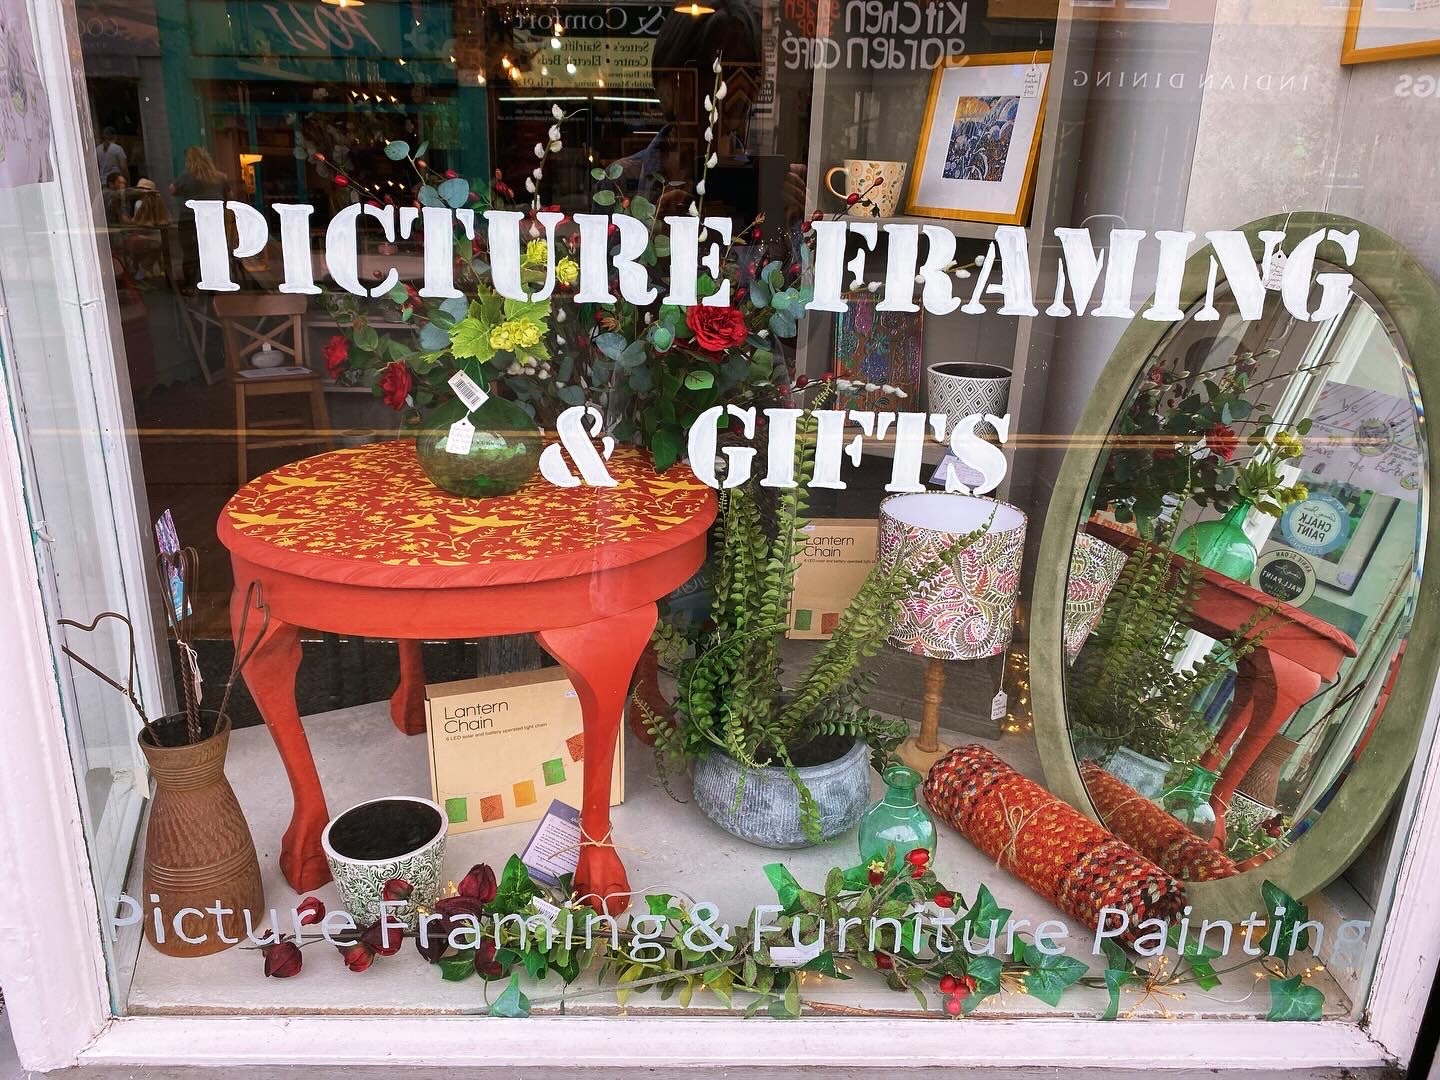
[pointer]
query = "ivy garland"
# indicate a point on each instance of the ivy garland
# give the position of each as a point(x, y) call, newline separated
point(675, 953)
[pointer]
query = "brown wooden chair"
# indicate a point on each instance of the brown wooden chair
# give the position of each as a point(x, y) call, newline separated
point(249, 322)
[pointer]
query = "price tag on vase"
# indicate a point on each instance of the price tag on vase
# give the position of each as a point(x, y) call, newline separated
point(462, 434)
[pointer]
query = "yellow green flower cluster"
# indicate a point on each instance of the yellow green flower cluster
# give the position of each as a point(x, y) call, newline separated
point(1288, 445)
point(513, 335)
point(567, 270)
point(1291, 495)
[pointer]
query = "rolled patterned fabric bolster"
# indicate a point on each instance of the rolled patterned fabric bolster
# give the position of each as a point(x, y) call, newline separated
point(1154, 833)
point(1048, 844)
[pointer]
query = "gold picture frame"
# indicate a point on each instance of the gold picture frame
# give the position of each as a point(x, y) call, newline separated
point(955, 68)
point(1351, 52)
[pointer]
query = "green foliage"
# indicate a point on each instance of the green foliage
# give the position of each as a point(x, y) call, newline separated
point(1124, 689)
point(731, 697)
point(690, 950)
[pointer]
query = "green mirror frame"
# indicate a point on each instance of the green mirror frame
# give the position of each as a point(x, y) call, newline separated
point(1408, 302)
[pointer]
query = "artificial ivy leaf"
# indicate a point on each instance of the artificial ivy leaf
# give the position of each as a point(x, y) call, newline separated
point(1198, 956)
point(984, 916)
point(985, 970)
point(459, 967)
point(1291, 999)
point(512, 1003)
point(604, 197)
point(468, 339)
point(1115, 978)
point(516, 889)
point(825, 965)
point(1050, 975)
point(397, 295)
point(787, 889)
point(571, 394)
point(455, 192)
point(434, 338)
point(699, 380)
point(398, 150)
point(1286, 915)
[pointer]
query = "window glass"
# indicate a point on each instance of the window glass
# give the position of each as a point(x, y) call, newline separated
point(951, 468)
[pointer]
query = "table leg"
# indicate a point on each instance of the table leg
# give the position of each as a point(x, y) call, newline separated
point(270, 676)
point(1283, 686)
point(407, 704)
point(600, 658)
point(1242, 708)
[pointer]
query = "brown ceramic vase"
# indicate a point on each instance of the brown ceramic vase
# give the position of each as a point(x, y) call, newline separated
point(198, 848)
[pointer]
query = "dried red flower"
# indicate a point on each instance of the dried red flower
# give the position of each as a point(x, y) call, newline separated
point(716, 328)
point(486, 966)
point(357, 957)
point(883, 962)
point(383, 936)
point(943, 899)
point(397, 889)
point(282, 960)
point(310, 910)
point(478, 884)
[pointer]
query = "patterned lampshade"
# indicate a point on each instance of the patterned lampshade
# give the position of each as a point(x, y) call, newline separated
point(967, 611)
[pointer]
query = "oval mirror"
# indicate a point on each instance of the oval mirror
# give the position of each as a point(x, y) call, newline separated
point(1233, 661)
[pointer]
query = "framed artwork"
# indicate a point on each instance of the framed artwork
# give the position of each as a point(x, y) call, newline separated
point(1338, 527)
point(1391, 30)
point(880, 352)
point(980, 139)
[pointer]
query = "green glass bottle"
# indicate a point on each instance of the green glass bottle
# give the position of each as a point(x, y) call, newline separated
point(898, 819)
point(1189, 803)
point(1221, 544)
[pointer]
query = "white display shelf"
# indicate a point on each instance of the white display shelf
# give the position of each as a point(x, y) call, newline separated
point(667, 847)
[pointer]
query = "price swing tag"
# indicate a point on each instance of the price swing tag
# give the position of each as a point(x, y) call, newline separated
point(462, 434)
point(1275, 275)
point(1030, 87)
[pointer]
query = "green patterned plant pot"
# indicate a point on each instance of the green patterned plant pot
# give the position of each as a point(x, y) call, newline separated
point(398, 836)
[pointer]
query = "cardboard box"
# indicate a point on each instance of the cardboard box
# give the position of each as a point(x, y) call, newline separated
point(502, 748)
point(837, 555)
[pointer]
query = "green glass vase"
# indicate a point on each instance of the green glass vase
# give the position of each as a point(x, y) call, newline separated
point(1189, 803)
point(503, 454)
point(897, 820)
point(1221, 544)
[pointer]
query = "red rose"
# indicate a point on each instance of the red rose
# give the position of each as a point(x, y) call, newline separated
point(1223, 441)
point(486, 966)
point(397, 889)
point(384, 936)
point(716, 328)
point(395, 383)
point(337, 353)
point(282, 960)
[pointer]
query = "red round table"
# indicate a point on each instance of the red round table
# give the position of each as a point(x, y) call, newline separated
point(360, 542)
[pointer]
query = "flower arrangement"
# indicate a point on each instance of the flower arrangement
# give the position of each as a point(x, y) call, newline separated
point(1178, 438)
point(651, 369)
point(950, 956)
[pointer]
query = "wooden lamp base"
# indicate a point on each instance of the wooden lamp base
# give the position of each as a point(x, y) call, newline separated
point(921, 751)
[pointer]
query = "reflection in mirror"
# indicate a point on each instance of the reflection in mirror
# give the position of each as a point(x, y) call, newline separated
point(1242, 582)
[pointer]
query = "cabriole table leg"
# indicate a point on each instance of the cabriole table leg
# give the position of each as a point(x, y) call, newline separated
point(600, 658)
point(270, 676)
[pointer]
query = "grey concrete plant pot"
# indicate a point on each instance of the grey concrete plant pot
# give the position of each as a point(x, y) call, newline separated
point(769, 812)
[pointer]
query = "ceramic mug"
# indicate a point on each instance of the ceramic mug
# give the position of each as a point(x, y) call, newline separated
point(861, 176)
point(405, 835)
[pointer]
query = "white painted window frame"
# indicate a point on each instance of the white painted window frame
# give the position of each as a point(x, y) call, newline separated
point(53, 971)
